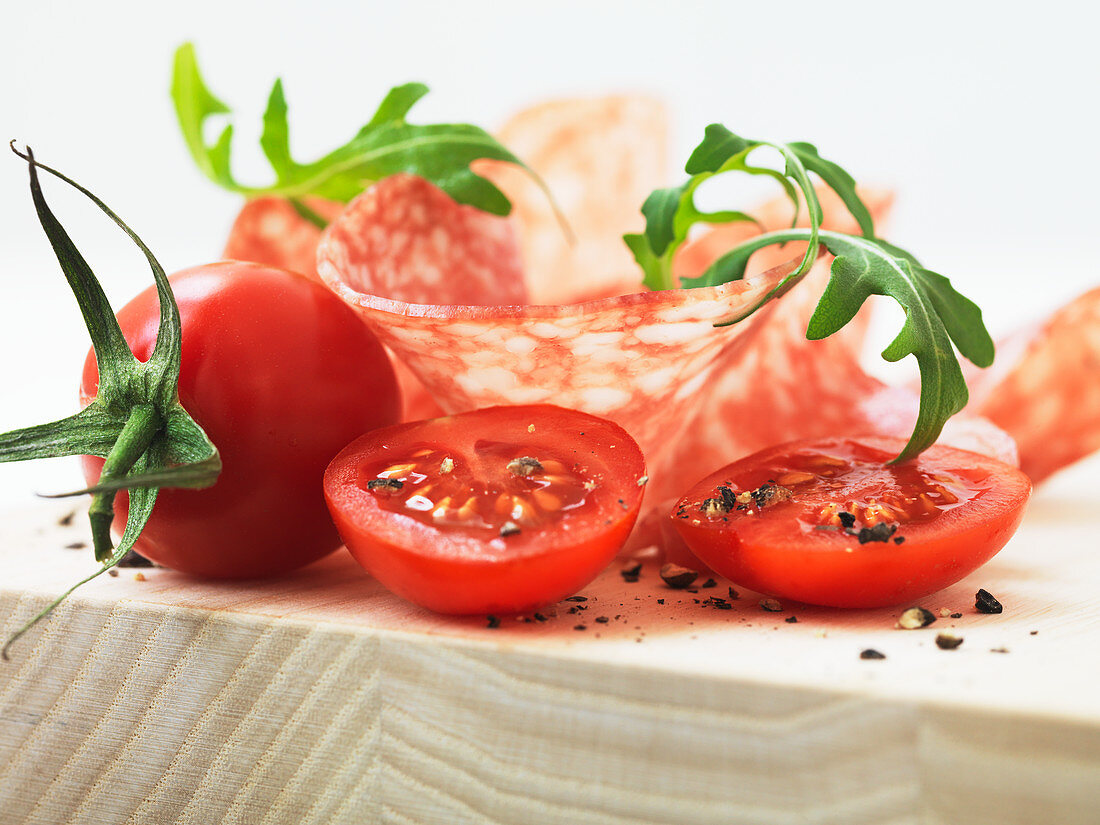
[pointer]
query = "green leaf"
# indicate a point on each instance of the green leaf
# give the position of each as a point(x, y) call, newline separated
point(935, 316)
point(386, 145)
point(938, 318)
point(275, 138)
point(194, 104)
point(961, 317)
point(660, 210)
point(440, 153)
point(395, 106)
point(718, 146)
point(839, 181)
point(863, 268)
point(671, 213)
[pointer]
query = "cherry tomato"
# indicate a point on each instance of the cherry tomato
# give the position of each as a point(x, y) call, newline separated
point(829, 522)
point(281, 375)
point(499, 510)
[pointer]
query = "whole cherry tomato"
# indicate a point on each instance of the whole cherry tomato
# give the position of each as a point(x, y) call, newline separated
point(281, 375)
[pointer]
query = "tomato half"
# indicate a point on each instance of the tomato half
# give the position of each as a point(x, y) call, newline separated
point(829, 522)
point(499, 510)
point(281, 375)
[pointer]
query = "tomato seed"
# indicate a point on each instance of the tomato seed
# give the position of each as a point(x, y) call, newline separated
point(545, 500)
point(384, 485)
point(794, 477)
point(524, 466)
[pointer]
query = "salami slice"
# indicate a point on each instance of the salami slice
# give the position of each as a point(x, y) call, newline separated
point(408, 240)
point(601, 158)
point(270, 231)
point(643, 360)
point(1044, 388)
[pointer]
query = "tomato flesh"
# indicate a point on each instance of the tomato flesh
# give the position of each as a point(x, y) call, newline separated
point(499, 510)
point(281, 375)
point(829, 522)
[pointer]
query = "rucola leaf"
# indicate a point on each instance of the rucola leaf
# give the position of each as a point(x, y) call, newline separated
point(936, 315)
point(671, 213)
point(386, 145)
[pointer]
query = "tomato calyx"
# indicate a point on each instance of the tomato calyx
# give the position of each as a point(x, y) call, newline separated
point(135, 422)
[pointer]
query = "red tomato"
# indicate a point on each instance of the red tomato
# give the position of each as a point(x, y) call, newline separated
point(281, 375)
point(500, 510)
point(829, 522)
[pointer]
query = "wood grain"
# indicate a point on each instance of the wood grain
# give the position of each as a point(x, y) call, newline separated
point(320, 698)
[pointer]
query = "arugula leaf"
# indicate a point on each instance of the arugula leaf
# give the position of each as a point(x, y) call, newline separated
point(937, 318)
point(386, 145)
point(839, 181)
point(671, 213)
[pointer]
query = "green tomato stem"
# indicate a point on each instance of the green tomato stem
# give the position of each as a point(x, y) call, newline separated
point(137, 434)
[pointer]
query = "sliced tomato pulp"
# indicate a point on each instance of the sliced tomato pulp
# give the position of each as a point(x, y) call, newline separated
point(829, 522)
point(503, 509)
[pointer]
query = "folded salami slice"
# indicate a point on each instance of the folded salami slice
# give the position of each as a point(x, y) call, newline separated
point(601, 157)
point(644, 360)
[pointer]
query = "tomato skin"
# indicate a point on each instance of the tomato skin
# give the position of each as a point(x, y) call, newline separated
point(464, 571)
point(281, 375)
point(774, 553)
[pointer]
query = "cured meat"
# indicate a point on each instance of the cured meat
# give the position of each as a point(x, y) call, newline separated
point(644, 360)
point(409, 240)
point(1044, 388)
point(270, 231)
point(601, 158)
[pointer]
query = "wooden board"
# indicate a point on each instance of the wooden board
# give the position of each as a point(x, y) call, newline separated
point(320, 698)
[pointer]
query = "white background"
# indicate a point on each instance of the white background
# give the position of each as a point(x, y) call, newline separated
point(981, 116)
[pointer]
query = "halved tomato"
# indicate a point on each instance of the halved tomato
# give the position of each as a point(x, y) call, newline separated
point(829, 522)
point(499, 510)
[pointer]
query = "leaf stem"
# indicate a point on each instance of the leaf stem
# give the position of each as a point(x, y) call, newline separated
point(307, 214)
